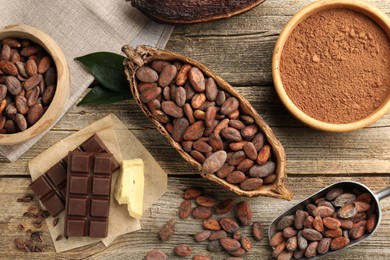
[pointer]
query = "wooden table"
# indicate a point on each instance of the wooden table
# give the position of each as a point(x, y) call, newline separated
point(239, 50)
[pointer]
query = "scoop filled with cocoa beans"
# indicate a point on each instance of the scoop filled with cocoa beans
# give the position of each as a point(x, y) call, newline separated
point(337, 217)
point(208, 122)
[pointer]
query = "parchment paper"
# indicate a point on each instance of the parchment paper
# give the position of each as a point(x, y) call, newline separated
point(124, 145)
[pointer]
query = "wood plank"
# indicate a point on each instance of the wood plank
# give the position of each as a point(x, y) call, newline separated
point(135, 245)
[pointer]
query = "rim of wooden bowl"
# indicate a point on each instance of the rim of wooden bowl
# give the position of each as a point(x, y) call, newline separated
point(380, 18)
point(61, 95)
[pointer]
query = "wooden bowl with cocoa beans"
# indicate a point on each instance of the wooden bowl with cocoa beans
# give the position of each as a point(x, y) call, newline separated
point(34, 83)
point(208, 122)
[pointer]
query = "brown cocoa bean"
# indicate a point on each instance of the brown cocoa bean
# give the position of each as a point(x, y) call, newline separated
point(210, 129)
point(257, 231)
point(31, 67)
point(190, 92)
point(331, 223)
point(279, 249)
point(22, 69)
point(216, 142)
point(371, 223)
point(338, 243)
point(230, 105)
point(237, 124)
point(50, 76)
point(185, 209)
point(302, 242)
point(149, 94)
point(224, 206)
point(235, 177)
point(311, 234)
point(194, 131)
point(230, 244)
point(250, 150)
point(285, 255)
point(325, 203)
point(182, 249)
point(33, 96)
point(229, 225)
point(249, 132)
point(211, 89)
point(264, 155)
point(308, 222)
point(167, 93)
point(8, 68)
point(179, 128)
point(21, 104)
point(344, 199)
point(231, 134)
point(217, 235)
point(358, 230)
point(246, 243)
point(167, 230)
point(262, 171)
point(202, 147)
point(180, 96)
point(311, 250)
point(3, 91)
point(146, 86)
point(224, 171)
point(221, 98)
point(276, 239)
point(214, 246)
point(5, 52)
point(251, 184)
point(13, 43)
point(362, 206)
point(34, 113)
point(333, 233)
point(3, 105)
point(211, 224)
point(157, 65)
point(21, 122)
point(214, 162)
point(269, 179)
point(160, 116)
point(237, 146)
point(285, 221)
point(202, 235)
point(364, 197)
point(206, 201)
point(32, 82)
point(318, 224)
point(244, 213)
point(196, 78)
point(30, 50)
point(201, 212)
point(48, 95)
point(245, 165)
point(13, 85)
point(156, 254)
point(171, 109)
point(168, 73)
point(44, 64)
point(210, 114)
point(198, 156)
point(182, 76)
point(189, 113)
point(146, 74)
point(224, 123)
point(347, 211)
point(191, 193)
point(310, 208)
point(345, 223)
point(234, 115)
point(292, 244)
point(199, 114)
point(258, 141)
point(323, 211)
point(299, 219)
point(359, 217)
point(289, 232)
point(198, 100)
point(323, 245)
point(334, 193)
point(10, 109)
point(236, 158)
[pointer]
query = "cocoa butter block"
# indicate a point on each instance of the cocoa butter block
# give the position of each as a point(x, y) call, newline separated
point(51, 186)
point(129, 188)
point(88, 194)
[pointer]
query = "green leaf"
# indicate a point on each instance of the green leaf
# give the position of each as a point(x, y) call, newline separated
point(107, 68)
point(100, 95)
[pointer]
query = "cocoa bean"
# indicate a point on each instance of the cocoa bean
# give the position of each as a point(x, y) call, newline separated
point(206, 201)
point(217, 235)
point(10, 126)
point(171, 109)
point(202, 235)
point(311, 250)
point(289, 232)
point(8, 68)
point(237, 146)
point(214, 246)
point(180, 96)
point(160, 116)
point(344, 199)
point(326, 203)
point(13, 85)
point(48, 95)
point(323, 211)
point(150, 94)
point(249, 132)
point(244, 213)
point(3, 91)
point(285, 255)
point(237, 124)
point(276, 239)
point(182, 76)
point(345, 223)
point(229, 225)
point(246, 243)
point(33, 96)
point(269, 179)
point(250, 150)
point(334, 193)
point(358, 230)
point(333, 233)
point(202, 147)
point(245, 165)
point(211, 224)
point(308, 222)
point(5, 52)
point(302, 242)
point(3, 105)
point(146, 74)
point(30, 50)
point(257, 231)
point(285, 221)
point(362, 206)
point(146, 86)
point(31, 67)
point(264, 155)
point(251, 184)
point(279, 249)
point(182, 249)
point(210, 114)
point(198, 100)
point(190, 92)
point(189, 113)
point(210, 129)
point(21, 104)
point(364, 197)
point(230, 244)
point(34, 113)
point(224, 206)
point(347, 211)
point(299, 219)
point(211, 89)
point(318, 224)
point(21, 122)
point(156, 254)
point(331, 223)
point(235, 177)
point(234, 115)
point(230, 105)
point(262, 171)
point(185, 209)
point(216, 142)
point(221, 98)
point(311, 234)
point(157, 65)
point(371, 223)
point(323, 245)
point(231, 134)
point(224, 123)
point(236, 158)
point(292, 244)
point(310, 208)
point(167, 230)
point(214, 162)
point(196, 78)
point(168, 73)
point(179, 128)
point(198, 156)
point(199, 114)
point(191, 193)
point(338, 243)
point(201, 212)
point(44, 64)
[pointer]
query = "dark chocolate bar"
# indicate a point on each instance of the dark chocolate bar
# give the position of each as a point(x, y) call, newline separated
point(88, 193)
point(51, 186)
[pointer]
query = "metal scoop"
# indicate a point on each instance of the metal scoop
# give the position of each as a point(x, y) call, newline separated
point(346, 185)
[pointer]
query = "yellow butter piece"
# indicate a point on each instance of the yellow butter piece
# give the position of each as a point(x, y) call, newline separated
point(130, 187)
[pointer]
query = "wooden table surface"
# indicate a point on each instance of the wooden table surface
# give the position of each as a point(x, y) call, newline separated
point(239, 50)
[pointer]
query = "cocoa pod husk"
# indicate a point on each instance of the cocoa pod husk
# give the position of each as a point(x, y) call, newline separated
point(137, 58)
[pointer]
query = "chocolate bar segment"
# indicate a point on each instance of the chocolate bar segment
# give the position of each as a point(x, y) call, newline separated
point(88, 193)
point(51, 186)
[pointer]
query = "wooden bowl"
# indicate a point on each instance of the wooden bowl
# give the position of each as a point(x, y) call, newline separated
point(358, 6)
point(63, 80)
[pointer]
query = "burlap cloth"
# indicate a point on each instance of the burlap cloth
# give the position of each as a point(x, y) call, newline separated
point(81, 27)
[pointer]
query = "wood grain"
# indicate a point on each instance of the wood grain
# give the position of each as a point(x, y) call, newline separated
point(135, 245)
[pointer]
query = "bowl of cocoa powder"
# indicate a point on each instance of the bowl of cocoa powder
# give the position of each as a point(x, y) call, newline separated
point(331, 65)
point(34, 83)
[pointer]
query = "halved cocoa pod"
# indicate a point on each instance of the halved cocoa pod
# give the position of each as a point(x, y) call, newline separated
point(144, 56)
point(192, 11)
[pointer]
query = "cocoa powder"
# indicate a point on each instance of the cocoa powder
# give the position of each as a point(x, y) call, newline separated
point(335, 66)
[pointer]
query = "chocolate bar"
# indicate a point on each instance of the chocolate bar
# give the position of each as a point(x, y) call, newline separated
point(88, 193)
point(51, 186)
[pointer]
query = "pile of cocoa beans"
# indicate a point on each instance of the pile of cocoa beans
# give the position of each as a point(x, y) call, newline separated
point(207, 122)
point(221, 234)
point(27, 84)
point(328, 223)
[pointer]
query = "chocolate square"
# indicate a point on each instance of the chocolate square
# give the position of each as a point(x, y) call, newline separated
point(79, 185)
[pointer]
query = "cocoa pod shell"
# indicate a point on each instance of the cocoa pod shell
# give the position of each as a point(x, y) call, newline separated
point(137, 58)
point(189, 12)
